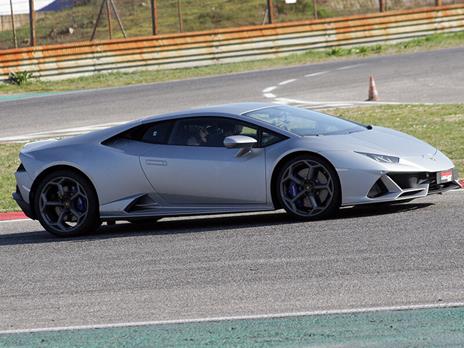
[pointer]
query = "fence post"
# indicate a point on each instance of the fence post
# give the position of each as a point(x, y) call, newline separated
point(118, 18)
point(94, 31)
point(270, 12)
point(154, 17)
point(438, 2)
point(315, 9)
point(382, 5)
point(32, 22)
point(179, 14)
point(108, 14)
point(15, 41)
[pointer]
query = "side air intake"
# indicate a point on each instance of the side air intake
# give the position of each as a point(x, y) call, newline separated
point(143, 203)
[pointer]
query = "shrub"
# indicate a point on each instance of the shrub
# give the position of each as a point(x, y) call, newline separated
point(20, 77)
point(336, 52)
point(214, 16)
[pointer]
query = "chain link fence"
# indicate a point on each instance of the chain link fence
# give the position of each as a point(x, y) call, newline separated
point(66, 21)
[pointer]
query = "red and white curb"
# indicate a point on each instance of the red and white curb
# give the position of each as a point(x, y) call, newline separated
point(14, 215)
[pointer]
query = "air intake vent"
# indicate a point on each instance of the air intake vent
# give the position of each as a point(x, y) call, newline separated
point(379, 189)
point(410, 180)
point(143, 203)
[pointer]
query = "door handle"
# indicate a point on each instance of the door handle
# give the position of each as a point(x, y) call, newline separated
point(155, 162)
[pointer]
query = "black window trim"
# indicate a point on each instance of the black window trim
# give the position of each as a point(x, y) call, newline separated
point(260, 130)
point(245, 123)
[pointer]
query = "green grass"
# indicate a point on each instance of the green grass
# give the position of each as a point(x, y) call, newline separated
point(53, 27)
point(439, 125)
point(146, 76)
point(8, 163)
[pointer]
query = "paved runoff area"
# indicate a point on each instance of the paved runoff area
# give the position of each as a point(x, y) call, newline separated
point(374, 276)
point(180, 280)
point(432, 327)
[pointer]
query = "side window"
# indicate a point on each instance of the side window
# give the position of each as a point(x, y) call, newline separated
point(208, 131)
point(154, 133)
point(157, 133)
point(203, 131)
point(269, 138)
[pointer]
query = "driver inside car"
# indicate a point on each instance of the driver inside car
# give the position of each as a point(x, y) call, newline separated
point(200, 137)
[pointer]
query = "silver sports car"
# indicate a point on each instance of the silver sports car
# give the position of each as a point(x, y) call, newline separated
point(224, 159)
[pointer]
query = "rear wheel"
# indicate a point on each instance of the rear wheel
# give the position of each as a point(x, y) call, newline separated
point(308, 188)
point(66, 204)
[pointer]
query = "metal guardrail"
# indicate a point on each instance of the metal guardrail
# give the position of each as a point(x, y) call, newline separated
point(228, 45)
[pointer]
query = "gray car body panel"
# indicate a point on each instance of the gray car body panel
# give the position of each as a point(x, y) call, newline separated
point(181, 180)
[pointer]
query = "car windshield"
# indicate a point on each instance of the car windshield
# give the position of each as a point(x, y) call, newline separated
point(304, 122)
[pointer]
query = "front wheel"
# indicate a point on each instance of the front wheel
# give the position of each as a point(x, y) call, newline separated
point(308, 188)
point(66, 204)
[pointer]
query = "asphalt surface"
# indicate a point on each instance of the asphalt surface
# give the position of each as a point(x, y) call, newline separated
point(236, 265)
point(436, 76)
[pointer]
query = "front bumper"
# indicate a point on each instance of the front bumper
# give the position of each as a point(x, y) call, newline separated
point(398, 186)
point(25, 207)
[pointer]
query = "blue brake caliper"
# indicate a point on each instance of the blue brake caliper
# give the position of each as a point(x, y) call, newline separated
point(292, 192)
point(80, 205)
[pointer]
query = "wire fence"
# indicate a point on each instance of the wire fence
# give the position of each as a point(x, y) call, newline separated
point(65, 21)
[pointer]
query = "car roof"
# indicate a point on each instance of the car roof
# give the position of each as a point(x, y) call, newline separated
point(231, 109)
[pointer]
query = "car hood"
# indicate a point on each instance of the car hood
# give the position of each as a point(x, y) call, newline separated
point(378, 140)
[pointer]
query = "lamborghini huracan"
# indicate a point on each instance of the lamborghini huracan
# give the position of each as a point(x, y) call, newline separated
point(223, 159)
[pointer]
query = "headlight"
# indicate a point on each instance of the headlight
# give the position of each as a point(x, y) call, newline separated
point(380, 158)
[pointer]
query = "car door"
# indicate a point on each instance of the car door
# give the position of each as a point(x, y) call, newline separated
point(194, 167)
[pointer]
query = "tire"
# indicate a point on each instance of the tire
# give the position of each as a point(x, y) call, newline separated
point(308, 188)
point(66, 204)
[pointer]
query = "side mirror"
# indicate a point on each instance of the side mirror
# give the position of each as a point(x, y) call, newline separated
point(242, 142)
point(239, 142)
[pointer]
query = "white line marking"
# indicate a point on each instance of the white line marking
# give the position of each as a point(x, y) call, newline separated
point(269, 95)
point(310, 103)
point(269, 89)
point(59, 132)
point(317, 73)
point(243, 317)
point(286, 82)
point(15, 220)
point(346, 67)
point(342, 103)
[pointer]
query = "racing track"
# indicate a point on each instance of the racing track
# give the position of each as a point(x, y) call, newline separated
point(405, 254)
point(248, 264)
point(436, 77)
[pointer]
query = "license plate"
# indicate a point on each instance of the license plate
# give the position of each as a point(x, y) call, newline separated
point(445, 176)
